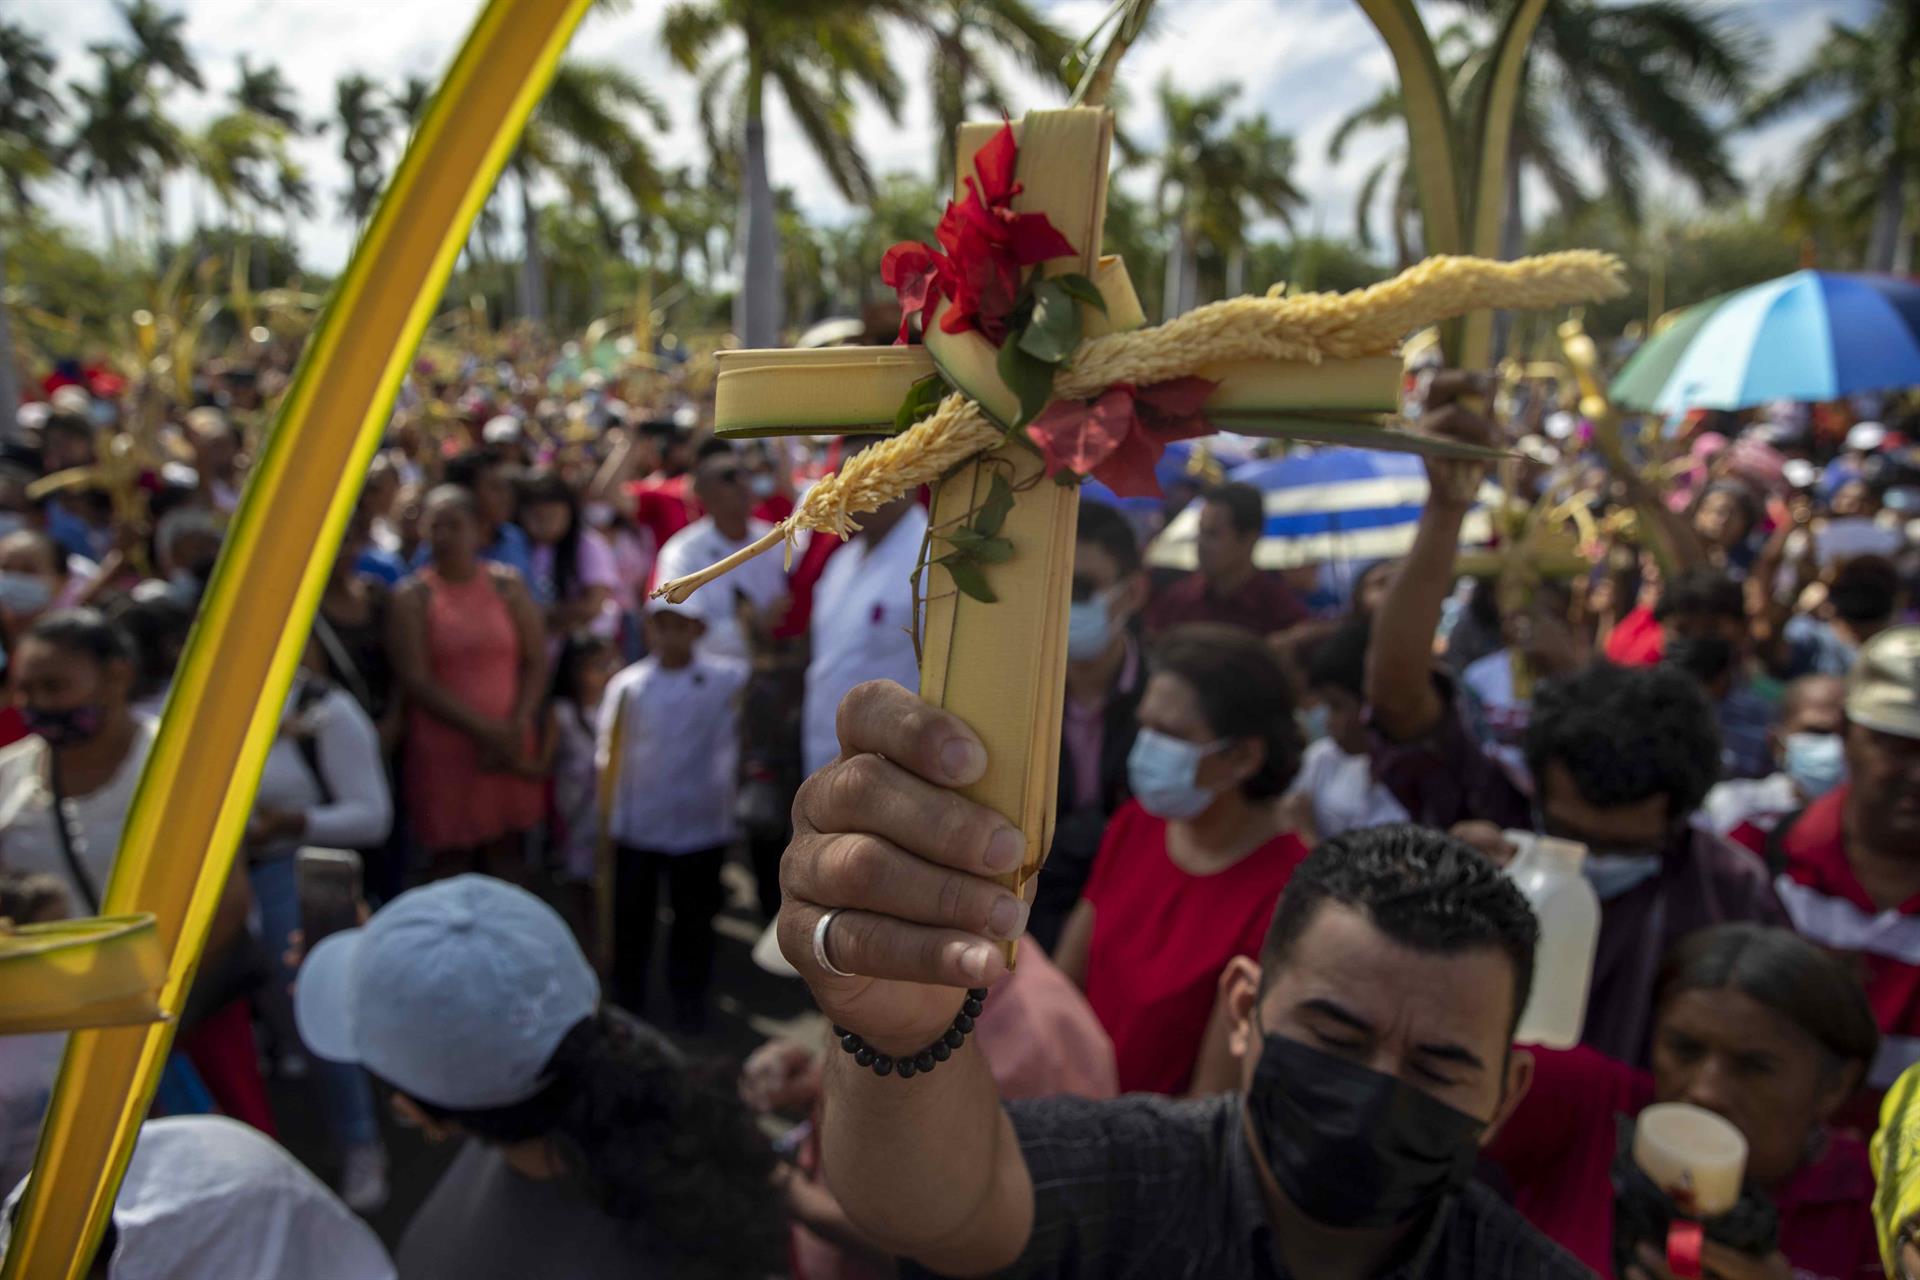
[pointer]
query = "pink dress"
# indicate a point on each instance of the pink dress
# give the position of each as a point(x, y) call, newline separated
point(473, 649)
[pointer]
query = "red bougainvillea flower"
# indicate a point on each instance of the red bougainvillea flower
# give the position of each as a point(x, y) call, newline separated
point(1118, 437)
point(987, 246)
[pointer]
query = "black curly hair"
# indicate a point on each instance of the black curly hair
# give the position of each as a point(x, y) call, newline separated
point(1424, 890)
point(655, 1140)
point(1626, 734)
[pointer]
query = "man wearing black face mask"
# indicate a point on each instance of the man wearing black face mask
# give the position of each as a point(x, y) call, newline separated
point(1703, 619)
point(1373, 1040)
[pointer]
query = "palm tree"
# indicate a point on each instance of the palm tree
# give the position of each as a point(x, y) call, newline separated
point(30, 113)
point(1214, 180)
point(364, 121)
point(411, 102)
point(157, 43)
point(1873, 145)
point(1628, 80)
point(237, 155)
point(964, 35)
point(581, 134)
point(123, 139)
point(1534, 146)
point(267, 93)
point(814, 52)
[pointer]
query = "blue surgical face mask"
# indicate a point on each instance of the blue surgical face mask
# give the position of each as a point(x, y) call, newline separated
point(11, 522)
point(1817, 762)
point(1615, 874)
point(1089, 628)
point(1162, 770)
point(1313, 721)
point(23, 593)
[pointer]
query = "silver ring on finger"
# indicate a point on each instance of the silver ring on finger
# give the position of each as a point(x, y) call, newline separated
point(820, 955)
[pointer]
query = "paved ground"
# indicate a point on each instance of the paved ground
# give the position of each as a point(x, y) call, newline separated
point(749, 1006)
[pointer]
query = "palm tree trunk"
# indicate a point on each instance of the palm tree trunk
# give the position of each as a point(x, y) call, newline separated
point(533, 285)
point(1883, 245)
point(9, 369)
point(756, 307)
point(1183, 273)
point(1237, 270)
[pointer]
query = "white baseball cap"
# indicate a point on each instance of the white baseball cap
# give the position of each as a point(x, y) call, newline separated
point(456, 993)
point(502, 429)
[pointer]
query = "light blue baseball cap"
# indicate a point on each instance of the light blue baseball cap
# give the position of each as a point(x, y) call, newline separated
point(456, 993)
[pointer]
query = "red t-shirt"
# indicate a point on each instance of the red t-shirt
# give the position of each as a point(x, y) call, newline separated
point(665, 505)
point(1827, 905)
point(1161, 936)
point(1636, 640)
point(1557, 1149)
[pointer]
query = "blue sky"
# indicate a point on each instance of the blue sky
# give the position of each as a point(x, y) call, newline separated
point(1304, 63)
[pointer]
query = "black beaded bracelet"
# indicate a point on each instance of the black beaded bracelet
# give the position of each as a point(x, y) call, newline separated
point(928, 1058)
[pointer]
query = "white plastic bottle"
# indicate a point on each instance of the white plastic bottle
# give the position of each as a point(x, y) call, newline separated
point(1548, 872)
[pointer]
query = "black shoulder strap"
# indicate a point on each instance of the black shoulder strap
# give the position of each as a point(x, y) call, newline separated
point(311, 691)
point(83, 881)
point(1776, 846)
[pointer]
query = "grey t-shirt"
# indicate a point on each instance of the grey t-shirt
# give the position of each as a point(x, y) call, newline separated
point(486, 1222)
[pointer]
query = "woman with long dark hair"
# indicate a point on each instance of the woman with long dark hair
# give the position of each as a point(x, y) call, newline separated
point(1753, 1023)
point(574, 571)
point(592, 1148)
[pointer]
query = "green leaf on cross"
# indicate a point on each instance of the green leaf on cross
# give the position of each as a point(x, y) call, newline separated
point(1029, 378)
point(967, 577)
point(993, 512)
point(1054, 331)
point(1081, 289)
point(922, 399)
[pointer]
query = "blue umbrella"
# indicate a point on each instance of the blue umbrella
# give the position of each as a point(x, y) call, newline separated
point(1811, 335)
point(1325, 506)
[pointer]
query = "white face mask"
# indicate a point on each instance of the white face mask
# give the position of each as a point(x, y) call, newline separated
point(1163, 771)
point(1089, 627)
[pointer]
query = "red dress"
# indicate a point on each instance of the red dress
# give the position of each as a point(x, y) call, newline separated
point(1557, 1149)
point(473, 649)
point(1161, 936)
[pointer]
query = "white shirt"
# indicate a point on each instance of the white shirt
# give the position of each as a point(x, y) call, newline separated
point(1343, 791)
point(358, 811)
point(1490, 681)
point(1761, 801)
point(761, 580)
point(861, 628)
point(29, 841)
point(680, 753)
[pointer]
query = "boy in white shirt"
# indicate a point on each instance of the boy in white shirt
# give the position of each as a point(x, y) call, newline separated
point(670, 728)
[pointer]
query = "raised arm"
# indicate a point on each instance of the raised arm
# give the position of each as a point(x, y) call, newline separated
point(1400, 654)
point(930, 1167)
point(347, 746)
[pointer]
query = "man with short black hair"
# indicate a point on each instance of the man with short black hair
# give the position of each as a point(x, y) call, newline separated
point(1703, 617)
point(756, 588)
point(1227, 587)
point(1374, 1045)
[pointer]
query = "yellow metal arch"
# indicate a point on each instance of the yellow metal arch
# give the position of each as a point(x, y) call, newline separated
point(200, 781)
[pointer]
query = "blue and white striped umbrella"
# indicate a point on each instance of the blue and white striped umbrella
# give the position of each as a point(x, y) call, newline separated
point(1327, 506)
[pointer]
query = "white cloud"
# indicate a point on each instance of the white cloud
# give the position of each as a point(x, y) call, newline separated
point(1304, 63)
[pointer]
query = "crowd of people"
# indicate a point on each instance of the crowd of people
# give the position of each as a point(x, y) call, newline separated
point(1261, 1016)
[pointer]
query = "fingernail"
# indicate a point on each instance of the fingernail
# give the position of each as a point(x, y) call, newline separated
point(975, 959)
point(962, 759)
point(1005, 850)
point(1008, 919)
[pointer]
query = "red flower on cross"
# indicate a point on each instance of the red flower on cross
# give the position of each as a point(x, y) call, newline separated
point(1118, 436)
point(987, 246)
